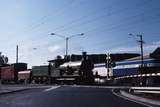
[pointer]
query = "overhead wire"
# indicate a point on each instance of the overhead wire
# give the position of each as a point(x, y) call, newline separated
point(118, 27)
point(102, 16)
point(96, 17)
point(119, 24)
point(44, 18)
point(152, 17)
point(47, 32)
point(83, 17)
point(125, 8)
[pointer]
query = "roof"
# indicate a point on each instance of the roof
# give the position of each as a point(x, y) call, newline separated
point(156, 53)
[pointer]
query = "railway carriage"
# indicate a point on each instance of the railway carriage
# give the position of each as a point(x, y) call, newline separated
point(130, 71)
point(132, 67)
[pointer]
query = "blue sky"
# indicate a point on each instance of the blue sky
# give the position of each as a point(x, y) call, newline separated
point(105, 23)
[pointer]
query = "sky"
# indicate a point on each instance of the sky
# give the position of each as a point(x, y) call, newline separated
point(106, 25)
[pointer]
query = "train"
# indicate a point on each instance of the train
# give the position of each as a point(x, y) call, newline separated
point(9, 73)
point(40, 74)
point(132, 66)
point(131, 71)
point(126, 71)
point(67, 73)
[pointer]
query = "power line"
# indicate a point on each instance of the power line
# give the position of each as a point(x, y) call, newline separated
point(101, 16)
point(111, 46)
point(112, 13)
point(115, 26)
point(104, 42)
point(121, 24)
point(44, 18)
point(80, 18)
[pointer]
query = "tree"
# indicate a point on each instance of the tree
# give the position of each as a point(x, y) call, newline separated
point(3, 59)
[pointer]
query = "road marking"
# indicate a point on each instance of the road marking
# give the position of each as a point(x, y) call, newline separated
point(138, 102)
point(108, 87)
point(52, 88)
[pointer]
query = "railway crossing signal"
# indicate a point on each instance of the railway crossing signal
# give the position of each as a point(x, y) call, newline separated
point(108, 65)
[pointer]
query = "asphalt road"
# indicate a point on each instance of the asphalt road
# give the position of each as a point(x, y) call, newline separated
point(65, 96)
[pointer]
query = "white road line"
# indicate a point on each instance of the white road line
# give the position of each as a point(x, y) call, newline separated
point(108, 87)
point(138, 102)
point(52, 88)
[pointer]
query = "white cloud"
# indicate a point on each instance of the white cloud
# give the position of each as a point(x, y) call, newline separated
point(156, 43)
point(54, 48)
point(152, 47)
point(148, 48)
point(124, 49)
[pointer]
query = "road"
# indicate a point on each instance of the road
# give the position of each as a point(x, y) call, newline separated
point(65, 96)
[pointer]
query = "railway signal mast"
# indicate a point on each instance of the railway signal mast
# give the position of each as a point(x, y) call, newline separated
point(108, 58)
point(141, 45)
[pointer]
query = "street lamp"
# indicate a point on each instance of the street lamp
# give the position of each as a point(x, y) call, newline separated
point(66, 39)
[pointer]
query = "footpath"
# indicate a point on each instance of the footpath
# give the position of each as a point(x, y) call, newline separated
point(5, 89)
point(11, 89)
point(142, 95)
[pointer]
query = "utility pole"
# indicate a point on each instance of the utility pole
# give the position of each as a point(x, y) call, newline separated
point(142, 64)
point(141, 48)
point(17, 54)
